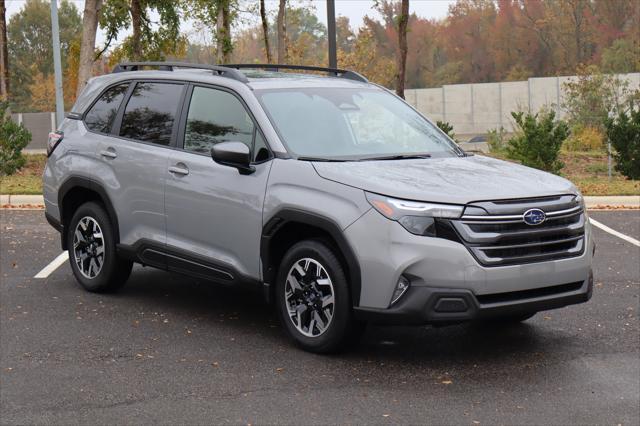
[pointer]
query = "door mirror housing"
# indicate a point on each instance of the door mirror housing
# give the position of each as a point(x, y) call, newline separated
point(233, 154)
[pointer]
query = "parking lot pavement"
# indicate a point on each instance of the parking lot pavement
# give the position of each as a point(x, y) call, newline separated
point(168, 349)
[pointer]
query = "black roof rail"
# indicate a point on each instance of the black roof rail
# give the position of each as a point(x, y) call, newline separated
point(351, 75)
point(223, 71)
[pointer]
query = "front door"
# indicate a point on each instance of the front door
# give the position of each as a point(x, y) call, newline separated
point(214, 213)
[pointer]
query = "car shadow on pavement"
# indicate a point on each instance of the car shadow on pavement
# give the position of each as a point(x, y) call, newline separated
point(465, 343)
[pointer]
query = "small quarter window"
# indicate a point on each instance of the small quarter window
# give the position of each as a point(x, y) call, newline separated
point(151, 112)
point(101, 115)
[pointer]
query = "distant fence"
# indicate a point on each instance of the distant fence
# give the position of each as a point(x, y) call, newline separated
point(39, 124)
point(471, 109)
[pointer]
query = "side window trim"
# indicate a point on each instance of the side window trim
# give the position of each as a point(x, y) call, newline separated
point(115, 126)
point(185, 113)
point(83, 116)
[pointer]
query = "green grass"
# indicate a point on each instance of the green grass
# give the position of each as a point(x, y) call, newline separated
point(589, 171)
point(27, 180)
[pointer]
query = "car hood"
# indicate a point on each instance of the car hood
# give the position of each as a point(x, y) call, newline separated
point(456, 180)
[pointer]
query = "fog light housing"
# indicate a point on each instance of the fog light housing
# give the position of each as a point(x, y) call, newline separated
point(401, 288)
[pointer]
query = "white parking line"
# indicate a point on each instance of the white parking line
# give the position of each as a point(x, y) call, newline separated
point(605, 228)
point(55, 264)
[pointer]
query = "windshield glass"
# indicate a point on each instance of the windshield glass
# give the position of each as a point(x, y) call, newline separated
point(351, 124)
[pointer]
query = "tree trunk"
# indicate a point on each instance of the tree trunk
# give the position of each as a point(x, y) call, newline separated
point(265, 30)
point(403, 22)
point(136, 23)
point(226, 32)
point(4, 54)
point(282, 32)
point(87, 47)
point(219, 34)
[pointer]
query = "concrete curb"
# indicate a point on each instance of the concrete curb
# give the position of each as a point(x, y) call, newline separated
point(615, 202)
point(21, 201)
point(595, 203)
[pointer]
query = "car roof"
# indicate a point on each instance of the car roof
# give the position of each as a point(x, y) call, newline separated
point(257, 79)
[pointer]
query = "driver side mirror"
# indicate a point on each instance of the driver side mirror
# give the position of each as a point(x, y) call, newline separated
point(233, 154)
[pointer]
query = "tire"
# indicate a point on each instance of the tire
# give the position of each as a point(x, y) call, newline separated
point(309, 293)
point(94, 260)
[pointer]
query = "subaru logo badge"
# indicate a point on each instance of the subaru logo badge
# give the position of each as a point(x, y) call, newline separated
point(534, 217)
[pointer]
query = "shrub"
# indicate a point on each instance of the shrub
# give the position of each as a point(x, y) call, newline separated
point(539, 139)
point(13, 139)
point(593, 96)
point(446, 127)
point(624, 134)
point(584, 139)
point(497, 141)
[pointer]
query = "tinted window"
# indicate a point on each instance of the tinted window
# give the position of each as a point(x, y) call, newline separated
point(216, 116)
point(150, 112)
point(101, 115)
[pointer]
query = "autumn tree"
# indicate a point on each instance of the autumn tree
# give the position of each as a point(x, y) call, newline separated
point(281, 30)
point(147, 42)
point(403, 22)
point(90, 19)
point(265, 30)
point(30, 48)
point(4, 54)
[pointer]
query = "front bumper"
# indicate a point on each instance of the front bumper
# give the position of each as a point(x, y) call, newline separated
point(439, 268)
point(428, 305)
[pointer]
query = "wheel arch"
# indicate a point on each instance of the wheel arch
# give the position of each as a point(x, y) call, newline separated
point(289, 226)
point(77, 190)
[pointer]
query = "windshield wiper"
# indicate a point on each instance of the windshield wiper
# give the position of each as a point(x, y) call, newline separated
point(397, 157)
point(327, 160)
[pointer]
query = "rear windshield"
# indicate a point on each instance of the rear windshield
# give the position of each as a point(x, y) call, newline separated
point(351, 124)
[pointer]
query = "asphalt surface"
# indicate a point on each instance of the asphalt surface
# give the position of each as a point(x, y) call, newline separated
point(168, 349)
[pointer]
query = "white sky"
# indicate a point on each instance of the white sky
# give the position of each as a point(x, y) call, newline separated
point(355, 10)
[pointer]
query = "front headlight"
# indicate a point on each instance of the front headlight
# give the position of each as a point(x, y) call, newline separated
point(416, 217)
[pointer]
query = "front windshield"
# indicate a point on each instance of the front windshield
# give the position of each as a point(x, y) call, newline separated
point(351, 124)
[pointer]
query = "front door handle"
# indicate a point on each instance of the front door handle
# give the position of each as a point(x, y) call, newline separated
point(109, 152)
point(179, 170)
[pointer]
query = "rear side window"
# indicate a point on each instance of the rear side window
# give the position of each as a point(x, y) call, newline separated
point(101, 115)
point(150, 112)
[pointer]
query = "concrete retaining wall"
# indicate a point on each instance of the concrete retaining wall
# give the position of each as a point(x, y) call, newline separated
point(477, 108)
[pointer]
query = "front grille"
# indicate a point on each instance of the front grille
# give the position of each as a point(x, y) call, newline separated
point(496, 234)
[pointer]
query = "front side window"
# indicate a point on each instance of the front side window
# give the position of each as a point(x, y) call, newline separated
point(101, 115)
point(216, 116)
point(150, 112)
point(351, 124)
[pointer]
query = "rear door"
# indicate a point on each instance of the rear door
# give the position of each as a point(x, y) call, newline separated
point(136, 154)
point(214, 213)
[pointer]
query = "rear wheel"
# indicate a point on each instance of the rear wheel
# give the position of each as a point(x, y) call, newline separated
point(313, 298)
point(92, 250)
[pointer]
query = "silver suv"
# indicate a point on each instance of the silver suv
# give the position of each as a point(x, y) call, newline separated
point(329, 194)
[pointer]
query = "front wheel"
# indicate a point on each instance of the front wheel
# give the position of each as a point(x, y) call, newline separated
point(92, 250)
point(312, 297)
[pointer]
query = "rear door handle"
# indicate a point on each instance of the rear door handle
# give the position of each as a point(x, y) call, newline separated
point(109, 152)
point(179, 170)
